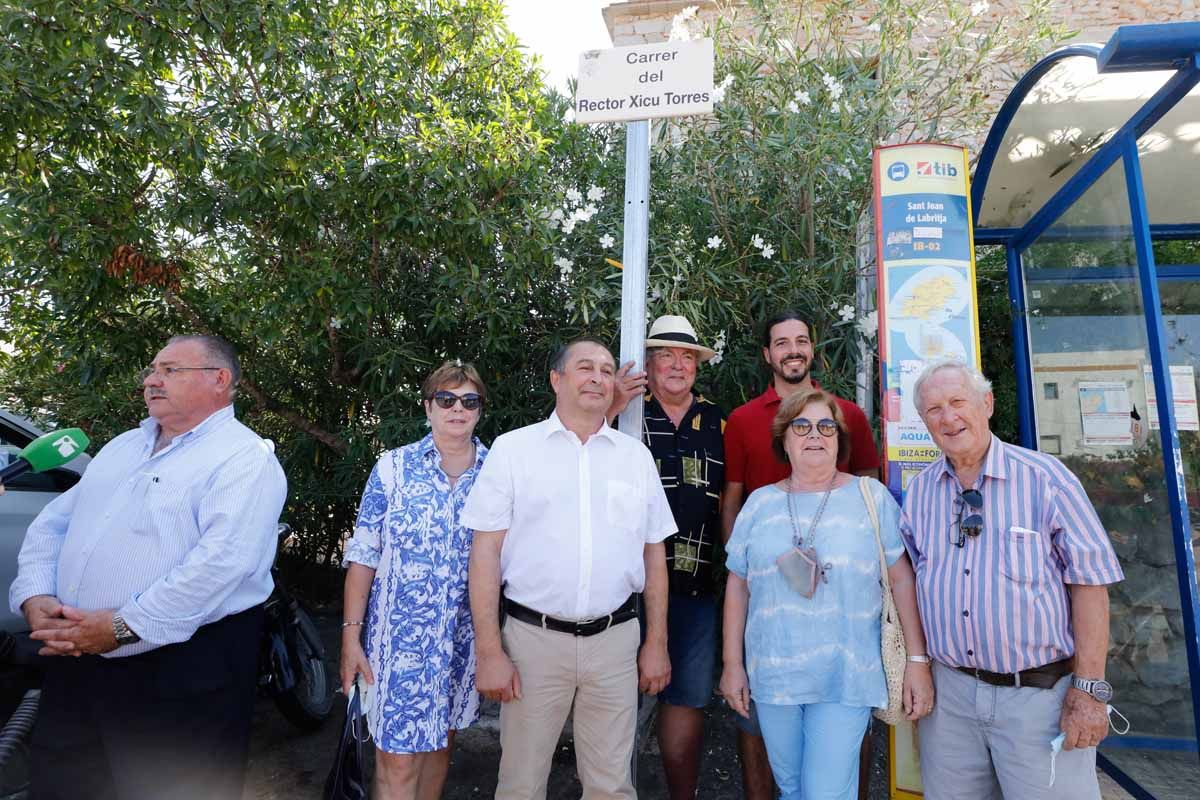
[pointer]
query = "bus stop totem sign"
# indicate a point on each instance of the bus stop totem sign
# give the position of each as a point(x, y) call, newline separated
point(927, 303)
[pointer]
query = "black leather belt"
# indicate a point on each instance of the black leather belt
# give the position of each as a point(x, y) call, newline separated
point(1043, 677)
point(587, 627)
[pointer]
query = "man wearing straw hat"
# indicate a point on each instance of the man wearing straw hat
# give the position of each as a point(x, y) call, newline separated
point(685, 435)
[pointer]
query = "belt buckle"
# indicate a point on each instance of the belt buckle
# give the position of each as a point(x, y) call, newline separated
point(1016, 680)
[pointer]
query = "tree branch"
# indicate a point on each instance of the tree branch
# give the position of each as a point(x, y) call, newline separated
point(264, 401)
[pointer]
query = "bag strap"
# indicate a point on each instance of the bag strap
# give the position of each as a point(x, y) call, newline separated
point(873, 512)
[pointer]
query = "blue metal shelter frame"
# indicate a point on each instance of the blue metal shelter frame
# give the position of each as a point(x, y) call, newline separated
point(1174, 47)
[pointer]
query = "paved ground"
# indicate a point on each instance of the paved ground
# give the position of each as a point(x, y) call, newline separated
point(288, 765)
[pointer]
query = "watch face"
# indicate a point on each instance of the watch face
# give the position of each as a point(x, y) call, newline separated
point(1102, 691)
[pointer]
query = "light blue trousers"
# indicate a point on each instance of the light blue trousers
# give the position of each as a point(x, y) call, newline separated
point(813, 748)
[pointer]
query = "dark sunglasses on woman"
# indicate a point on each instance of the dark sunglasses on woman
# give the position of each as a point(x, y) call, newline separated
point(825, 427)
point(445, 399)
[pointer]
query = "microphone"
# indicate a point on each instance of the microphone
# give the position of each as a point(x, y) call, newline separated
point(47, 452)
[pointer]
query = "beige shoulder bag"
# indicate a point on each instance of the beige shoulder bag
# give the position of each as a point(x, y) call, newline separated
point(895, 657)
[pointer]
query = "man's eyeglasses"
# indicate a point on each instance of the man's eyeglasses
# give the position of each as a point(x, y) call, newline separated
point(972, 524)
point(171, 372)
point(446, 400)
point(826, 427)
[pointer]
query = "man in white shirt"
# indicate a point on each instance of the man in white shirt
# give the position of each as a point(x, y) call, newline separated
point(145, 582)
point(569, 517)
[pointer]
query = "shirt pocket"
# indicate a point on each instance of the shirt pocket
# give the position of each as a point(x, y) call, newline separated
point(624, 506)
point(1023, 556)
point(164, 511)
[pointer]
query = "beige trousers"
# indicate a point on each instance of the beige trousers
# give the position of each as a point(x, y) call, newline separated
point(596, 673)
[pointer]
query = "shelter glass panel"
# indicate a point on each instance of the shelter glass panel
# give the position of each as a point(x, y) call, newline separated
point(1087, 334)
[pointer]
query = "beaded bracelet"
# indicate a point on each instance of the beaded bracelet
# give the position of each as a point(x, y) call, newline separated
point(351, 624)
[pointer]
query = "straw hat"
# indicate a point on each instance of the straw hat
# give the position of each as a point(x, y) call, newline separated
point(673, 331)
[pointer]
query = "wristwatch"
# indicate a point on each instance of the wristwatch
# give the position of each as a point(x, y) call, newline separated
point(122, 631)
point(1100, 689)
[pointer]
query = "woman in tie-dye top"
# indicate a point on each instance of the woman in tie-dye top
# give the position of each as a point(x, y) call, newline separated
point(813, 663)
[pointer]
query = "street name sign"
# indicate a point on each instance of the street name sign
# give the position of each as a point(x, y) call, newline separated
point(645, 81)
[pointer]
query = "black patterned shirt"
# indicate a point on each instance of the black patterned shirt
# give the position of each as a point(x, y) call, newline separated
point(691, 464)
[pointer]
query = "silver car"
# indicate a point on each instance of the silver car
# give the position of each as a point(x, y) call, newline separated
point(24, 497)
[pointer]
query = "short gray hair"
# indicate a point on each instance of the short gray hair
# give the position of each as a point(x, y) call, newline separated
point(975, 378)
point(219, 350)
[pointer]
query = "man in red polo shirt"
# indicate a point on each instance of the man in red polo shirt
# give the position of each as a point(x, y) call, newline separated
point(750, 464)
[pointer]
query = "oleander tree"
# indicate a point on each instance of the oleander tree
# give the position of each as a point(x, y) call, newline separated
point(352, 192)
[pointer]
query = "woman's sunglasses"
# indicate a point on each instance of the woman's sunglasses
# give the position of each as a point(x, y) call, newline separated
point(446, 400)
point(825, 427)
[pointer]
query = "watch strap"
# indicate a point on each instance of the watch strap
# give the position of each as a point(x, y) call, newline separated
point(122, 632)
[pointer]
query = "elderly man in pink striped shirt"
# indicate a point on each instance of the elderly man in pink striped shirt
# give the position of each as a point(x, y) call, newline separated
point(1012, 569)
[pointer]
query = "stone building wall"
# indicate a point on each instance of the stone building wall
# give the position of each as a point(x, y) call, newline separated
point(644, 21)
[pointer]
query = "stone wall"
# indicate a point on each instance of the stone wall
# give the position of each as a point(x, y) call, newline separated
point(643, 21)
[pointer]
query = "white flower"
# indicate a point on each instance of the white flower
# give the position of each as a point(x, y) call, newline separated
point(846, 313)
point(833, 306)
point(841, 170)
point(556, 215)
point(678, 277)
point(595, 193)
point(607, 241)
point(680, 25)
point(757, 241)
point(714, 242)
point(574, 197)
point(767, 252)
point(720, 89)
point(831, 83)
point(716, 359)
point(587, 212)
point(655, 294)
point(565, 265)
point(979, 7)
point(335, 323)
point(873, 27)
point(802, 97)
point(869, 324)
point(569, 224)
point(570, 305)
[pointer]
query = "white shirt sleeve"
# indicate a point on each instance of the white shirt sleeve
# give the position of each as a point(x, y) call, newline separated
point(489, 506)
point(659, 522)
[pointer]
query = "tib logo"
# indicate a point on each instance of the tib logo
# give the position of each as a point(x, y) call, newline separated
point(66, 446)
point(936, 169)
point(898, 171)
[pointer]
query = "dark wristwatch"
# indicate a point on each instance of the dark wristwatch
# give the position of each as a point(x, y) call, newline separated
point(123, 633)
point(1100, 689)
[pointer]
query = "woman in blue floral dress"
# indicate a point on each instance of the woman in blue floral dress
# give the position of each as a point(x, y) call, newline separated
point(407, 618)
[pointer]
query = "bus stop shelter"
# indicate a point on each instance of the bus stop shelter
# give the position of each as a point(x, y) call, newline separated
point(1090, 181)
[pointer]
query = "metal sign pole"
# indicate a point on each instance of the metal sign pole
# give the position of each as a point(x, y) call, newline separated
point(633, 279)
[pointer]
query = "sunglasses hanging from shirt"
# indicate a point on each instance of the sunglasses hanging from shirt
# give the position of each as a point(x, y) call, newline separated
point(972, 525)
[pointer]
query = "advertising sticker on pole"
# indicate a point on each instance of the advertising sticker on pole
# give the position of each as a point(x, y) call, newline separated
point(927, 305)
point(927, 310)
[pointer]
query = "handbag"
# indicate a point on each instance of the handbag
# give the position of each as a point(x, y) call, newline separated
point(891, 635)
point(347, 778)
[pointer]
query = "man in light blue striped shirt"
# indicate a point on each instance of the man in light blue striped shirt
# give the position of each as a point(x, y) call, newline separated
point(152, 571)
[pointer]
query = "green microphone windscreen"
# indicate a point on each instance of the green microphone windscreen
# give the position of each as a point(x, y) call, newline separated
point(54, 449)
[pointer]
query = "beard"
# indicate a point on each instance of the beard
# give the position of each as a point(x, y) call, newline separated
point(790, 377)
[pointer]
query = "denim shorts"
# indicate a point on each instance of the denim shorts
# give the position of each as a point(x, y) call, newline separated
point(692, 646)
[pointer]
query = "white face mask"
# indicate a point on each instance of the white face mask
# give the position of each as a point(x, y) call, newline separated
point(1056, 744)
